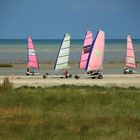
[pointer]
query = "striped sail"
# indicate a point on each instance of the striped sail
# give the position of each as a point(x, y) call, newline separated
point(130, 55)
point(86, 49)
point(95, 60)
point(63, 54)
point(32, 59)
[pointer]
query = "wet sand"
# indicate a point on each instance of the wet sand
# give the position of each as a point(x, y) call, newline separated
point(20, 69)
point(108, 80)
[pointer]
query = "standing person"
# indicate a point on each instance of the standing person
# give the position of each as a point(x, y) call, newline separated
point(66, 73)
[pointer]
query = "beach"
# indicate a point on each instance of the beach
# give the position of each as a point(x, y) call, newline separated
point(109, 80)
point(114, 61)
point(112, 76)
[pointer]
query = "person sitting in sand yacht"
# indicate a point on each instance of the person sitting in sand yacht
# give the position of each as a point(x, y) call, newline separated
point(127, 71)
point(93, 72)
point(29, 72)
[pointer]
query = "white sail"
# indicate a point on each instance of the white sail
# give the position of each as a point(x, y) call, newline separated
point(63, 54)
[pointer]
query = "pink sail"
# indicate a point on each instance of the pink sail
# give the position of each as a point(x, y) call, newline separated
point(86, 49)
point(130, 55)
point(95, 60)
point(32, 59)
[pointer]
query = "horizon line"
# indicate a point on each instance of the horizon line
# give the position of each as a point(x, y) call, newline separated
point(61, 38)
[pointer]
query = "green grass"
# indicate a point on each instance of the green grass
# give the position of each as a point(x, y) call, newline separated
point(69, 113)
point(6, 65)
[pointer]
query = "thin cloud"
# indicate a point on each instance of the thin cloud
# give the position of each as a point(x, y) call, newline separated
point(104, 7)
point(94, 6)
point(107, 6)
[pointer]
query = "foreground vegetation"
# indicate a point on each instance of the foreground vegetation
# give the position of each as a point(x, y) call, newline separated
point(6, 65)
point(69, 112)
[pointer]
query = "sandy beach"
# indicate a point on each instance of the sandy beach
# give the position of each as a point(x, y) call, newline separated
point(108, 80)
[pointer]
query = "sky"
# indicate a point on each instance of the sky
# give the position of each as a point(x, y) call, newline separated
point(50, 19)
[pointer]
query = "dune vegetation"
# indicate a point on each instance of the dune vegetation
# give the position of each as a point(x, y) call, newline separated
point(69, 113)
point(6, 65)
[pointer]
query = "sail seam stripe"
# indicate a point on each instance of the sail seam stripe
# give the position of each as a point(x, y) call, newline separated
point(88, 33)
point(63, 55)
point(62, 63)
point(66, 40)
point(33, 61)
point(64, 48)
point(88, 37)
point(131, 56)
point(83, 60)
point(129, 41)
point(87, 46)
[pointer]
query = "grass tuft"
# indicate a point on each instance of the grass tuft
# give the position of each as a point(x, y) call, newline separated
point(6, 65)
point(6, 85)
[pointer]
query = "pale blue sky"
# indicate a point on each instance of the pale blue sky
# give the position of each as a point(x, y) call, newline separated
point(50, 19)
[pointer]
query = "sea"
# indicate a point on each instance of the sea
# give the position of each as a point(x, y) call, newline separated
point(15, 51)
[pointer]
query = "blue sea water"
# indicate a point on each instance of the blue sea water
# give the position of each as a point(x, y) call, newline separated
point(15, 51)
